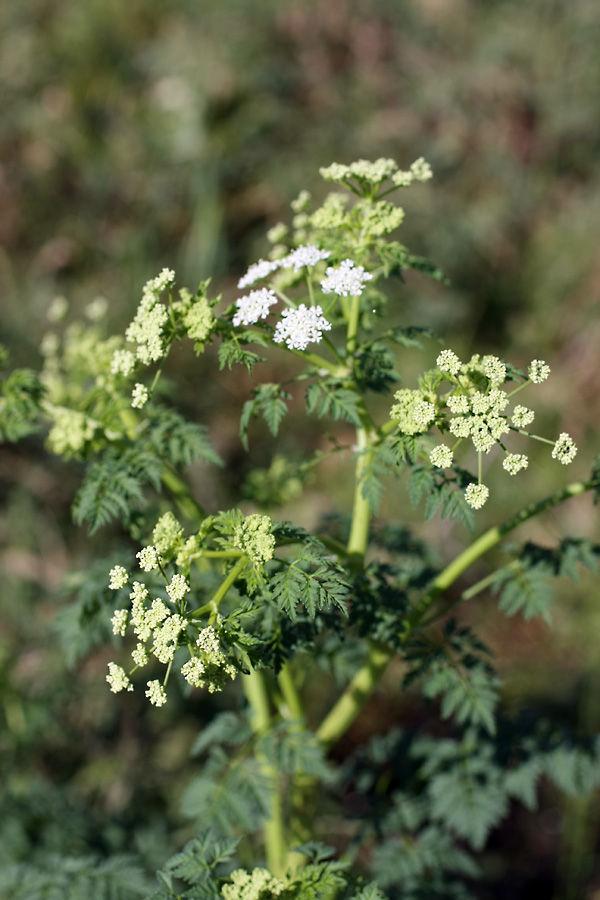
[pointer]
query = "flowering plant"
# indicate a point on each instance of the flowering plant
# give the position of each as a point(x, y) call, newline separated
point(218, 599)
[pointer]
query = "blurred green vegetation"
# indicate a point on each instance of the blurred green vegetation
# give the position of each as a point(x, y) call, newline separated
point(174, 133)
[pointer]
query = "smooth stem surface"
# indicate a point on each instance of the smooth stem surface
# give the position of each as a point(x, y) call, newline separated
point(484, 543)
point(366, 679)
point(356, 694)
point(275, 844)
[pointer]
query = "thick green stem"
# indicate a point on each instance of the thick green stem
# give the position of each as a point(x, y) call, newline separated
point(364, 682)
point(361, 511)
point(489, 539)
point(275, 844)
point(356, 694)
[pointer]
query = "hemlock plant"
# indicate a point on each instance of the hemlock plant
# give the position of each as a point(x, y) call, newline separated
point(214, 598)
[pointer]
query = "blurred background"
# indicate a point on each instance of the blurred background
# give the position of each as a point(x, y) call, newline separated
point(174, 133)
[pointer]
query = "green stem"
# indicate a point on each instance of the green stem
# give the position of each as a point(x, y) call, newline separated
point(364, 682)
point(485, 542)
point(361, 511)
point(293, 704)
point(275, 844)
point(353, 321)
point(356, 694)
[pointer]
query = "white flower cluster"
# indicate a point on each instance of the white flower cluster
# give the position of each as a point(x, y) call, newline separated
point(305, 255)
point(300, 327)
point(254, 306)
point(123, 362)
point(441, 456)
point(210, 666)
point(118, 578)
point(117, 678)
point(564, 449)
point(476, 495)
point(413, 411)
point(139, 396)
point(148, 558)
point(538, 371)
point(257, 271)
point(146, 329)
point(515, 462)
point(347, 280)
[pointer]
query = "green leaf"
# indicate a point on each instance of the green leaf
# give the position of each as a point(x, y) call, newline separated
point(329, 398)
point(20, 401)
point(178, 440)
point(269, 400)
point(114, 487)
point(312, 579)
point(525, 590)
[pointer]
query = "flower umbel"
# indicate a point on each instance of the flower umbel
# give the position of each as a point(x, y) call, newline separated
point(301, 327)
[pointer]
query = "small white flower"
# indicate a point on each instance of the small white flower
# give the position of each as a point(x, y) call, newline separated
point(208, 640)
point(522, 416)
point(538, 371)
point(514, 462)
point(148, 558)
point(139, 396)
point(178, 588)
point(123, 362)
point(476, 495)
point(156, 693)
point(424, 413)
point(119, 621)
point(140, 655)
point(257, 271)
point(460, 427)
point(495, 369)
point(348, 280)
point(307, 255)
point(448, 361)
point(254, 306)
point(117, 679)
point(441, 456)
point(458, 403)
point(118, 578)
point(564, 449)
point(300, 327)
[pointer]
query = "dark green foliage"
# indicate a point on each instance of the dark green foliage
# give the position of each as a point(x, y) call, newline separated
point(22, 392)
point(329, 398)
point(114, 486)
point(75, 878)
point(455, 668)
point(379, 463)
point(270, 401)
point(178, 440)
point(375, 368)
point(441, 493)
point(524, 584)
point(234, 350)
point(311, 579)
point(196, 865)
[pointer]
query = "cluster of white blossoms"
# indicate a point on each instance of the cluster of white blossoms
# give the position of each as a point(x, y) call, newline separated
point(161, 626)
point(347, 280)
point(300, 327)
point(373, 173)
point(254, 306)
point(139, 396)
point(475, 409)
point(304, 255)
point(210, 666)
point(146, 329)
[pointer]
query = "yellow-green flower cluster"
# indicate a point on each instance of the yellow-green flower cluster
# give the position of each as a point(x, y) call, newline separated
point(252, 885)
point(474, 408)
point(254, 537)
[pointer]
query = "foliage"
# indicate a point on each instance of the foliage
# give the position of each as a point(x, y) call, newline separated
point(218, 599)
